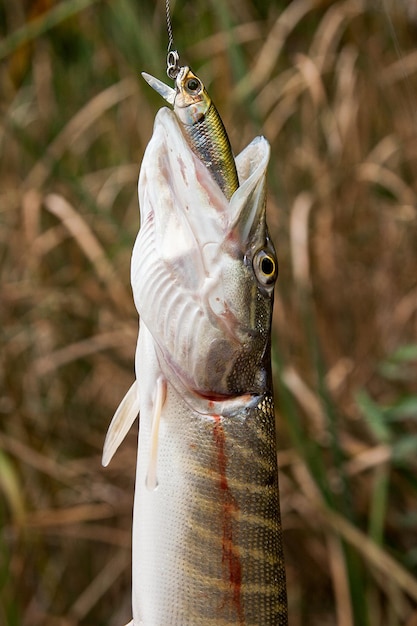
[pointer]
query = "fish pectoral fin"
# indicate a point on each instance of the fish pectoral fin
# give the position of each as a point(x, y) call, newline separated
point(158, 403)
point(122, 420)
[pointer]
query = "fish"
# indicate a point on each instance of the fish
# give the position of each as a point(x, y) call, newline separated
point(207, 547)
point(202, 125)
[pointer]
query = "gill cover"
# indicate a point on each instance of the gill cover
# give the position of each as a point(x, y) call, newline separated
point(195, 267)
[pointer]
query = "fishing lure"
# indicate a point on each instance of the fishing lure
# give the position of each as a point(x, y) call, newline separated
point(200, 121)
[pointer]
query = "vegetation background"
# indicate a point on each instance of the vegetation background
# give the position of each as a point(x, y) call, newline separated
point(333, 86)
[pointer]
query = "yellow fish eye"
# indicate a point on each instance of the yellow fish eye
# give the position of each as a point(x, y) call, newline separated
point(266, 267)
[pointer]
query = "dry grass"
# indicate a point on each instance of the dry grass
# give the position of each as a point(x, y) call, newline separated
point(333, 86)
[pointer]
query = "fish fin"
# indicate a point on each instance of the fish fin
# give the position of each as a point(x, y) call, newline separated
point(168, 93)
point(122, 420)
point(158, 403)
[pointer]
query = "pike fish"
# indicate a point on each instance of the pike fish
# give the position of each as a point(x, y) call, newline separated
point(207, 539)
point(202, 126)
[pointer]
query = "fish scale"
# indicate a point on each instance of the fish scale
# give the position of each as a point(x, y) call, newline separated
point(205, 134)
point(251, 525)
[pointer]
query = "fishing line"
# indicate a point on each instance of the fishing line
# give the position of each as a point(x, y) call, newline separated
point(169, 26)
point(173, 58)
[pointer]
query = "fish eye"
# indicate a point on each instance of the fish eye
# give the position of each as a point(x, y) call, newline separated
point(266, 267)
point(193, 85)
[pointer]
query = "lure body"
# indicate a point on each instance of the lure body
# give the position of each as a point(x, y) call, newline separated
point(202, 126)
point(207, 540)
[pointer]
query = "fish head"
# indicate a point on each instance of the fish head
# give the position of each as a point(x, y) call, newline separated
point(192, 100)
point(189, 98)
point(203, 267)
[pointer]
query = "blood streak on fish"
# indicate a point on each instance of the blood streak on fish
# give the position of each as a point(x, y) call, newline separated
point(230, 557)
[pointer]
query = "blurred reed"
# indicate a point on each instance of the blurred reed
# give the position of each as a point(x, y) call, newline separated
point(333, 86)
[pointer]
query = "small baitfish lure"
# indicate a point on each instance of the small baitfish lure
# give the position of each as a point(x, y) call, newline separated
point(202, 125)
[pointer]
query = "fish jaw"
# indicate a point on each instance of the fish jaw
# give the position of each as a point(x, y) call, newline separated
point(192, 274)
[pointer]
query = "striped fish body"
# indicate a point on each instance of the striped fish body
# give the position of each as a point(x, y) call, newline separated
point(210, 143)
point(207, 546)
